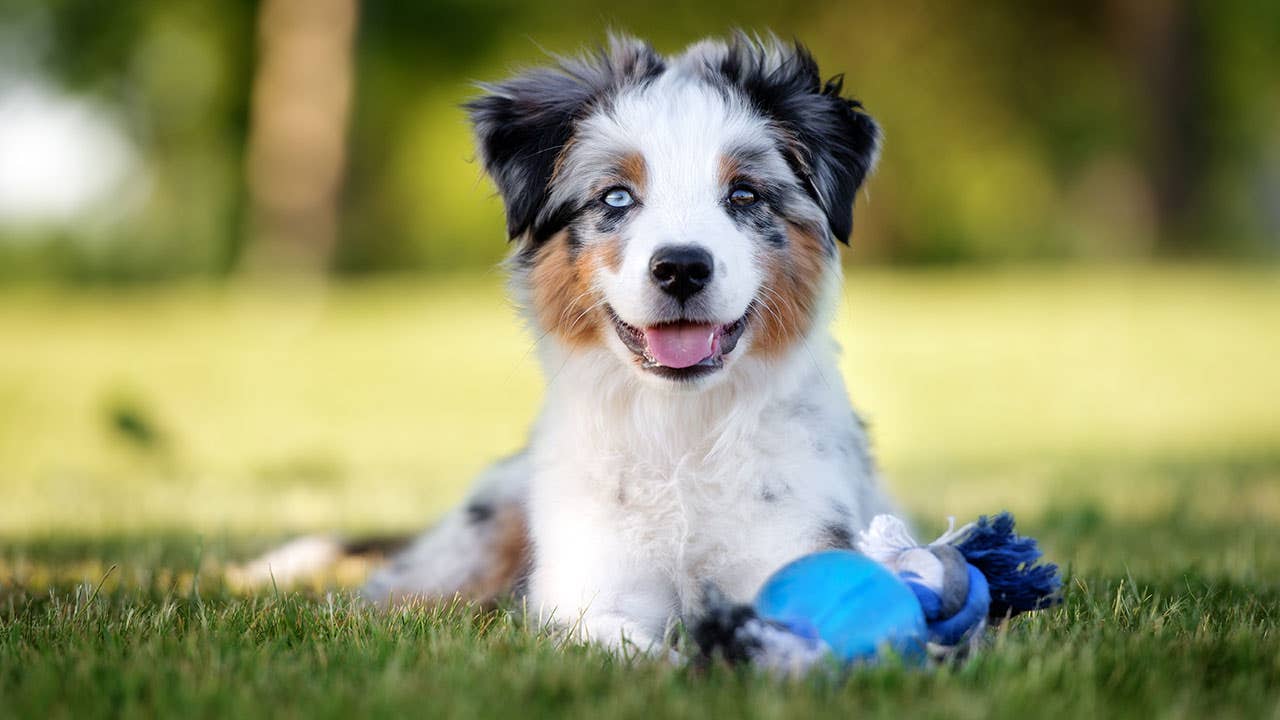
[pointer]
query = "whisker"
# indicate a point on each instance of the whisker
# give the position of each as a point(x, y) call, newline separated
point(583, 314)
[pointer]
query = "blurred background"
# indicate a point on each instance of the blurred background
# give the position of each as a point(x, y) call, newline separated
point(200, 139)
point(243, 246)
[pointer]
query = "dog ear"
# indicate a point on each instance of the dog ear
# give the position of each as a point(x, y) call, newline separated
point(832, 144)
point(521, 127)
point(524, 124)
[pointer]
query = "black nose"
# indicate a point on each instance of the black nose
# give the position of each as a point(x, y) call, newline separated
point(681, 270)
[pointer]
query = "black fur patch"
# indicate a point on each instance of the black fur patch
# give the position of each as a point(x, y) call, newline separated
point(835, 141)
point(837, 537)
point(559, 219)
point(760, 221)
point(610, 219)
point(377, 546)
point(479, 512)
point(524, 124)
point(717, 634)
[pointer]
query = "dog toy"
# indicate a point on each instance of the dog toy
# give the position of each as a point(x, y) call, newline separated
point(895, 596)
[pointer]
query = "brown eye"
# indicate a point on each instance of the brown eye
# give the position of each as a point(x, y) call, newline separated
point(742, 197)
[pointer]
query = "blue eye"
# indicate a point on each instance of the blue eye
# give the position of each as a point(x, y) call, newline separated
point(618, 198)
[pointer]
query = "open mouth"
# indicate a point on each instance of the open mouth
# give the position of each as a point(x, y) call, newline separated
point(680, 350)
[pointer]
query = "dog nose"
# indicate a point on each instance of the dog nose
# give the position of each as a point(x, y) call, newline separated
point(681, 270)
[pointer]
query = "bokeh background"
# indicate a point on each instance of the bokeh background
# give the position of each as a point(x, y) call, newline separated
point(248, 275)
point(192, 139)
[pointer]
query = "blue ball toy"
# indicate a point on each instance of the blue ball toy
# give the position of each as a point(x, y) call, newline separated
point(893, 596)
point(847, 600)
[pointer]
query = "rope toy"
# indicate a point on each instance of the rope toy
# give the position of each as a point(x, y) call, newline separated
point(895, 596)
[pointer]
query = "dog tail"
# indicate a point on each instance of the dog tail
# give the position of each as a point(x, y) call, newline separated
point(314, 557)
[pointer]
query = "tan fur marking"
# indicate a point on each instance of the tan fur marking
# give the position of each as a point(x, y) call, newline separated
point(793, 278)
point(557, 168)
point(609, 253)
point(565, 301)
point(633, 170)
point(729, 170)
point(509, 559)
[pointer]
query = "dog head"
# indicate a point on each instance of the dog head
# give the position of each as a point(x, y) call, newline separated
point(682, 212)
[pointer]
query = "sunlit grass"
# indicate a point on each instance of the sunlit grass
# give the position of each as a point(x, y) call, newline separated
point(1117, 363)
point(1115, 649)
point(369, 405)
point(149, 438)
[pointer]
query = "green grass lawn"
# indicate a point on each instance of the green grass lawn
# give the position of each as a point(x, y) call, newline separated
point(148, 438)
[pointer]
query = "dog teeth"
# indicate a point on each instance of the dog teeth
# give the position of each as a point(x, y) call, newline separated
point(648, 363)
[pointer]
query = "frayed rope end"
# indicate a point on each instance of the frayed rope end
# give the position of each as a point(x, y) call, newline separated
point(1008, 561)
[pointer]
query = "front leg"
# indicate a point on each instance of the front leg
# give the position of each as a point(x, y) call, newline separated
point(590, 585)
point(822, 514)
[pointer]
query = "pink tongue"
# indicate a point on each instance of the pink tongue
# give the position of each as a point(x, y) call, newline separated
point(681, 346)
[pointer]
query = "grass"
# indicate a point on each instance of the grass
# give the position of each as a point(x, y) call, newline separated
point(147, 438)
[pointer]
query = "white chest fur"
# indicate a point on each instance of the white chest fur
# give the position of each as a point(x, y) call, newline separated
point(642, 497)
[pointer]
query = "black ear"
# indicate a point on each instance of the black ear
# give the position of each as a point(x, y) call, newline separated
point(522, 125)
point(833, 144)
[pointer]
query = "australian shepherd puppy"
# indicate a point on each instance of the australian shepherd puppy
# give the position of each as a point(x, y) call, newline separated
point(676, 223)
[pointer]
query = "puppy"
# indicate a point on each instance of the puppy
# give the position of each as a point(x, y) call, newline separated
point(675, 224)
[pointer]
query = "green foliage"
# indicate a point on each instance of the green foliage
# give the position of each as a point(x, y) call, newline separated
point(1014, 130)
point(178, 76)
